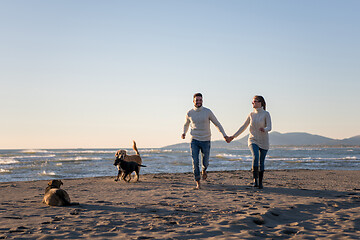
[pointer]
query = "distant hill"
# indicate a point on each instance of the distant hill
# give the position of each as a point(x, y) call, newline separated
point(284, 139)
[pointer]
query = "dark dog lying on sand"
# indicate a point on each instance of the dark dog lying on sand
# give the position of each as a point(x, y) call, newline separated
point(126, 168)
point(54, 196)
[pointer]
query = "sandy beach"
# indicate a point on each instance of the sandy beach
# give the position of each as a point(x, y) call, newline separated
point(294, 204)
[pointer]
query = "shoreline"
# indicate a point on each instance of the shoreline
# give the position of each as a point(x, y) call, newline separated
point(293, 204)
point(145, 174)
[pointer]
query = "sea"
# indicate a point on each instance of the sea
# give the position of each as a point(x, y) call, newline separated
point(46, 164)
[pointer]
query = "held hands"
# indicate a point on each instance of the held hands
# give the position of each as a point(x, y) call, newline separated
point(228, 139)
point(262, 130)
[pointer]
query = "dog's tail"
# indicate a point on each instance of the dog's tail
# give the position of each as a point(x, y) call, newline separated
point(142, 165)
point(135, 148)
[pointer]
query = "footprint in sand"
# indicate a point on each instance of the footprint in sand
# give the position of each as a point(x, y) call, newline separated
point(253, 214)
point(274, 213)
point(259, 221)
point(18, 229)
point(289, 231)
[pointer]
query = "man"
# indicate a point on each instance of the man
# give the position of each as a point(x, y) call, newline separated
point(199, 117)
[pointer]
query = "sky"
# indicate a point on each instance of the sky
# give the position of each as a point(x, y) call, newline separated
point(99, 74)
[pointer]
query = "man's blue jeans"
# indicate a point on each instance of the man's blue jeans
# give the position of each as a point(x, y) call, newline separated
point(258, 155)
point(196, 148)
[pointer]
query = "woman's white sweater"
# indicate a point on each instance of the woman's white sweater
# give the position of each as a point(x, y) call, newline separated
point(257, 119)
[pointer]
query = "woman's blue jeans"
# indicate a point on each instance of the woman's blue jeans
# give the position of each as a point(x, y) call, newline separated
point(196, 148)
point(258, 155)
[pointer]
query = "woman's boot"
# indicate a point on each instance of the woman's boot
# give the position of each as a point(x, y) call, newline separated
point(261, 175)
point(255, 177)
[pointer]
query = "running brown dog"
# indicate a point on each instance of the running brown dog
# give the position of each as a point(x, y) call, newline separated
point(121, 154)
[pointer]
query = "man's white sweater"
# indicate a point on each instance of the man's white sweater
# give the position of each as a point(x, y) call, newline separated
point(199, 121)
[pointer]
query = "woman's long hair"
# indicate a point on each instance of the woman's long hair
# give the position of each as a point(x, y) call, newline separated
point(262, 100)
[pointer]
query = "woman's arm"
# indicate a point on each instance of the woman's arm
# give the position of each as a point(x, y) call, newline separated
point(242, 128)
point(268, 123)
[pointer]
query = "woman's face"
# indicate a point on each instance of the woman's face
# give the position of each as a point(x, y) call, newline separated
point(256, 103)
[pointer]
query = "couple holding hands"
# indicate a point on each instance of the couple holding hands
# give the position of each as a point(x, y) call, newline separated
point(199, 119)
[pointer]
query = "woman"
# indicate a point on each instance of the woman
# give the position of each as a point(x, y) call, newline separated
point(260, 124)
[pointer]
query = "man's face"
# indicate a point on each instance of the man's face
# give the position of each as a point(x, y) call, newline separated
point(198, 101)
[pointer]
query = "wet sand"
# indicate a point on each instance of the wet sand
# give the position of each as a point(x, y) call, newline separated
point(294, 204)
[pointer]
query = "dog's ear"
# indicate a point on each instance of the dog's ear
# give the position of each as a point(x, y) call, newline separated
point(50, 182)
point(117, 154)
point(61, 183)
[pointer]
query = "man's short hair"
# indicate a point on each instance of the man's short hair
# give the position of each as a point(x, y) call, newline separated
point(197, 95)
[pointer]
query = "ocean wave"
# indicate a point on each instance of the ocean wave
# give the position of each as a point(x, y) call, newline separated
point(36, 156)
point(311, 159)
point(227, 155)
point(350, 158)
point(299, 161)
point(87, 158)
point(32, 151)
point(88, 151)
point(292, 159)
point(181, 163)
point(8, 161)
point(45, 173)
point(69, 159)
point(69, 163)
point(162, 151)
point(299, 148)
point(232, 157)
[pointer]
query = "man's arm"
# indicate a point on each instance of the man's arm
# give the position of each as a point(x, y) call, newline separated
point(214, 120)
point(186, 126)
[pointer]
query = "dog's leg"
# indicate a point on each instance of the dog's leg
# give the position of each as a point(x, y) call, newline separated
point(137, 174)
point(125, 175)
point(118, 176)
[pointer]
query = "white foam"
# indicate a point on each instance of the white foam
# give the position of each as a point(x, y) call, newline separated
point(38, 156)
point(4, 161)
point(69, 159)
point(88, 151)
point(162, 151)
point(44, 173)
point(34, 151)
point(227, 155)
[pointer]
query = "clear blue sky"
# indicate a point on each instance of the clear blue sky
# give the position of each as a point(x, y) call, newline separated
point(101, 73)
